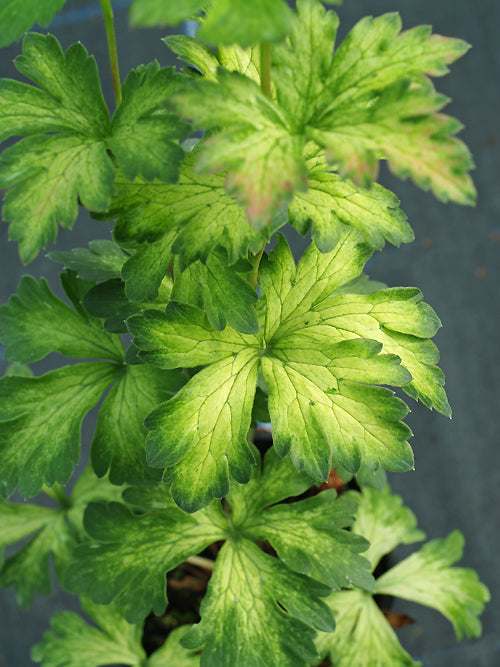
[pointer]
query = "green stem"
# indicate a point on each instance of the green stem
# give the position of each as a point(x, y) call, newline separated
point(253, 275)
point(265, 68)
point(199, 561)
point(107, 12)
point(58, 494)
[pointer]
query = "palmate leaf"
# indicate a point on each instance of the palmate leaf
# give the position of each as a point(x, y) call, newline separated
point(28, 570)
point(49, 174)
point(371, 99)
point(363, 635)
point(191, 217)
point(241, 601)
point(17, 16)
point(47, 536)
point(48, 409)
point(307, 535)
point(332, 202)
point(324, 402)
point(428, 578)
point(139, 550)
point(258, 146)
point(71, 642)
point(35, 323)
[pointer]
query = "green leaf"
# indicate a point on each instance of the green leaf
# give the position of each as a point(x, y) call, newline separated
point(362, 637)
point(399, 320)
point(118, 444)
point(373, 100)
point(40, 421)
point(103, 260)
point(241, 601)
point(426, 577)
point(71, 642)
point(36, 323)
point(221, 291)
point(139, 550)
point(200, 435)
point(183, 337)
point(145, 13)
point(321, 400)
point(332, 202)
point(195, 212)
point(144, 137)
point(307, 535)
point(49, 173)
point(263, 156)
point(17, 16)
point(28, 570)
point(172, 653)
point(194, 52)
point(231, 21)
point(384, 522)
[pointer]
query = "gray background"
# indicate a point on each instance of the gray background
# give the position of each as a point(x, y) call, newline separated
point(454, 261)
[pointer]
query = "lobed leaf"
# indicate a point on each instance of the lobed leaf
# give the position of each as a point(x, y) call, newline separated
point(263, 157)
point(271, 609)
point(144, 137)
point(35, 323)
point(190, 218)
point(40, 420)
point(363, 637)
point(332, 202)
point(426, 577)
point(65, 160)
point(71, 642)
point(139, 550)
point(118, 444)
point(308, 535)
point(221, 291)
point(18, 16)
point(385, 523)
point(102, 261)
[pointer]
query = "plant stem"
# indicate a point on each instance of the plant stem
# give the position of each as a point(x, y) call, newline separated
point(58, 494)
point(107, 12)
point(265, 68)
point(253, 275)
point(205, 563)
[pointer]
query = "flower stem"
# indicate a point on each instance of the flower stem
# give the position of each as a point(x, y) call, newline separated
point(107, 12)
point(265, 68)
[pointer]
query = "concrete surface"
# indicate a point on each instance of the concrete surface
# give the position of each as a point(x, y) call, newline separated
point(454, 260)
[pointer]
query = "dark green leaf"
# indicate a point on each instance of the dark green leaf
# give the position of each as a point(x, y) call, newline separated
point(118, 444)
point(144, 137)
point(139, 550)
point(36, 323)
point(40, 421)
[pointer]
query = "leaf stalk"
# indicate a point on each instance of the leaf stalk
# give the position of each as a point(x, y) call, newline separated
point(107, 12)
point(265, 68)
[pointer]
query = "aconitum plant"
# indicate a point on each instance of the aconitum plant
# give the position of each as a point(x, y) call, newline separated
point(276, 551)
